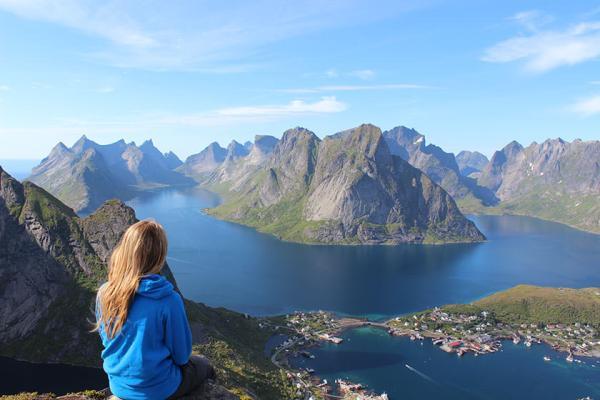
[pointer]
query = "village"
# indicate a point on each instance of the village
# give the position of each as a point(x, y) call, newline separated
point(305, 330)
point(482, 333)
point(454, 332)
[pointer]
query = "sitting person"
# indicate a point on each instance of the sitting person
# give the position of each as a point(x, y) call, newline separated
point(142, 323)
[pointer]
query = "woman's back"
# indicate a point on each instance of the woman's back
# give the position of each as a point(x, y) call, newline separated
point(143, 360)
point(142, 322)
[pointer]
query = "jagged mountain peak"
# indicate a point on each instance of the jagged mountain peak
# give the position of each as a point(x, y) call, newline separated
point(512, 147)
point(82, 144)
point(95, 172)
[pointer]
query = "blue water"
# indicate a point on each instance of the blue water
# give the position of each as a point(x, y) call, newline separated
point(224, 264)
point(374, 358)
point(19, 376)
point(18, 169)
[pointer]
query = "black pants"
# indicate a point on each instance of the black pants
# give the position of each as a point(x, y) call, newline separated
point(193, 374)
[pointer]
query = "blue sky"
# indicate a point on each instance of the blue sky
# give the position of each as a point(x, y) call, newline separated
point(467, 74)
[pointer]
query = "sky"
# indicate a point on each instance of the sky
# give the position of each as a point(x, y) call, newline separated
point(470, 75)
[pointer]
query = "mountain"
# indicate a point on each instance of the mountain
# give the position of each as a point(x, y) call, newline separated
point(440, 166)
point(200, 164)
point(555, 180)
point(347, 188)
point(235, 151)
point(471, 162)
point(172, 161)
point(53, 261)
point(234, 164)
point(88, 173)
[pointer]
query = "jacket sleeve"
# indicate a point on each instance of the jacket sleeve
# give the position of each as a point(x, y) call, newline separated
point(178, 337)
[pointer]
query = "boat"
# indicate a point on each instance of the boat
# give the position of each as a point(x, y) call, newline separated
point(546, 358)
point(516, 340)
point(569, 358)
point(528, 343)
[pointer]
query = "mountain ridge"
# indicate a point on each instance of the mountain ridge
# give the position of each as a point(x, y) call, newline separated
point(316, 191)
point(89, 173)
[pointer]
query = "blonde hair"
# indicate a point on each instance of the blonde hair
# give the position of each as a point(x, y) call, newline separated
point(141, 251)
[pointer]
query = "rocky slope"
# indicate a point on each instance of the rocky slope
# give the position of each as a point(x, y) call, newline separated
point(52, 262)
point(215, 164)
point(347, 188)
point(200, 164)
point(440, 166)
point(555, 180)
point(88, 173)
point(470, 162)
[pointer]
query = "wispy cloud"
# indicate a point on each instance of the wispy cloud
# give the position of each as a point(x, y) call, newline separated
point(196, 35)
point(543, 50)
point(364, 74)
point(224, 116)
point(355, 88)
point(594, 82)
point(586, 107)
point(532, 20)
point(4, 88)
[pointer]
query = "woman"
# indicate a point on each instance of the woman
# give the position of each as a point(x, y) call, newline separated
point(142, 322)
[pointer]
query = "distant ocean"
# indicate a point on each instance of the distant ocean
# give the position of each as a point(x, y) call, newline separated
point(19, 169)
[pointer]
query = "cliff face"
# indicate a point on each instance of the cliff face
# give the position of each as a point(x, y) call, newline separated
point(88, 173)
point(555, 180)
point(347, 188)
point(48, 266)
point(440, 166)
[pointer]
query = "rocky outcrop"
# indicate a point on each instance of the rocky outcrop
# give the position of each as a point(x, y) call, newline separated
point(88, 173)
point(348, 188)
point(30, 280)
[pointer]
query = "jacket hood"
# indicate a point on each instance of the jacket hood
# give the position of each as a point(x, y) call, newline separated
point(154, 286)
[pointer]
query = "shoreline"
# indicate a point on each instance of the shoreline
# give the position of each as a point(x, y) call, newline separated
point(308, 330)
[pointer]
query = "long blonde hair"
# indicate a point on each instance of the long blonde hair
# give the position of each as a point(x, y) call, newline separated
point(141, 251)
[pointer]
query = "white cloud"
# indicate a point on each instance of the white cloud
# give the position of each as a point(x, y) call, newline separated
point(224, 116)
point(545, 50)
point(101, 19)
point(355, 88)
point(594, 82)
point(532, 20)
point(207, 36)
point(364, 74)
point(587, 107)
point(4, 88)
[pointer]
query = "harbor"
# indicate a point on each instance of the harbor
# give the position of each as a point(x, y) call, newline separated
point(454, 333)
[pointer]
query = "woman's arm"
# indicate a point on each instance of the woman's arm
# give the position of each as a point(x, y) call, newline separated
point(178, 336)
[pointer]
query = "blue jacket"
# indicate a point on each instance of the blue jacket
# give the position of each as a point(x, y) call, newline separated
point(142, 361)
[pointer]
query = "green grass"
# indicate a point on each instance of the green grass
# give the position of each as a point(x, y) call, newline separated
point(575, 210)
point(235, 344)
point(542, 305)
